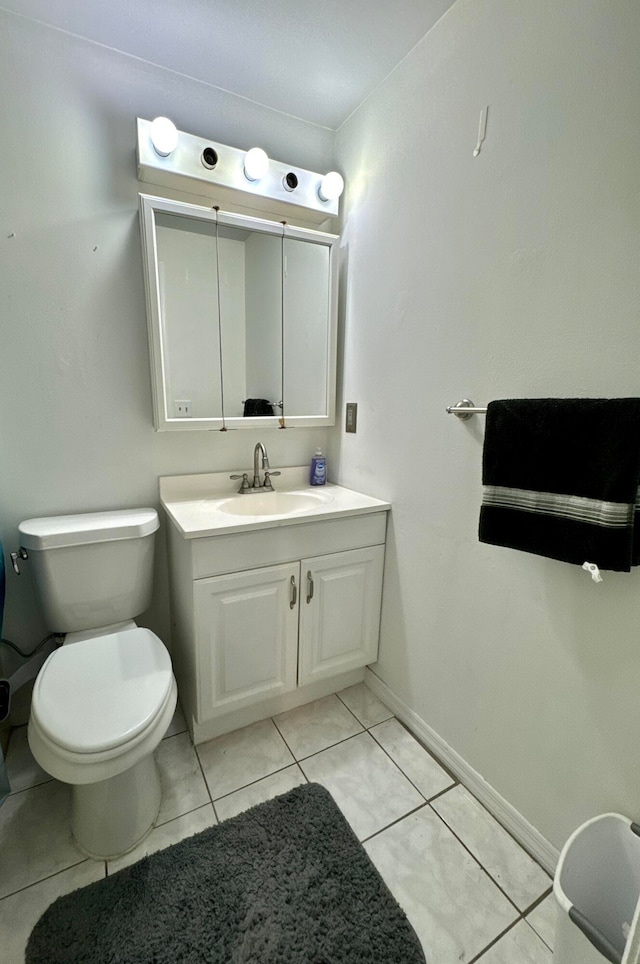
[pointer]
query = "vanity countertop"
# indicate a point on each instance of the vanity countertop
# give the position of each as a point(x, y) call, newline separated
point(203, 505)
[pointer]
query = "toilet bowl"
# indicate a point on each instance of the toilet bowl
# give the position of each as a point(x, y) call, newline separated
point(100, 707)
point(103, 701)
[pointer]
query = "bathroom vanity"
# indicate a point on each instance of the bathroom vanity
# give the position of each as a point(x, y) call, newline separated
point(275, 597)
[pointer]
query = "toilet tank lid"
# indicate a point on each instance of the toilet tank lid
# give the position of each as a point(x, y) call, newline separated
point(86, 527)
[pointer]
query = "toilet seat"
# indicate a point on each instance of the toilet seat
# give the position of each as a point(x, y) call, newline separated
point(101, 705)
point(101, 694)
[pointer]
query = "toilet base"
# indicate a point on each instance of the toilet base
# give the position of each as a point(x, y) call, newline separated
point(110, 817)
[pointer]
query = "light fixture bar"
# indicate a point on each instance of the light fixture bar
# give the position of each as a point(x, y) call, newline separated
point(184, 169)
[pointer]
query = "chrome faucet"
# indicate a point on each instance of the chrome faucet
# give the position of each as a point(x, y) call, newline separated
point(258, 486)
point(265, 463)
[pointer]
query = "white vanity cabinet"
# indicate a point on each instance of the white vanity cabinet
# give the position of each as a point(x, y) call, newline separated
point(266, 619)
point(263, 632)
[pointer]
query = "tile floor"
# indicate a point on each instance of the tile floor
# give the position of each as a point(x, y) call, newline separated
point(471, 893)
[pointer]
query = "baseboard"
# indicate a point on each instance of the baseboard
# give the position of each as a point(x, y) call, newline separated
point(513, 821)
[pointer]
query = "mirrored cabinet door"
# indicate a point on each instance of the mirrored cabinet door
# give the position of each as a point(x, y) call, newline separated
point(242, 319)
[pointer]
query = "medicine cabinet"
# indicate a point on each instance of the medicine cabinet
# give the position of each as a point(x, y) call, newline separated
point(242, 317)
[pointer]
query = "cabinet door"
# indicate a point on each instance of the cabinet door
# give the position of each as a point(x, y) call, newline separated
point(246, 637)
point(339, 612)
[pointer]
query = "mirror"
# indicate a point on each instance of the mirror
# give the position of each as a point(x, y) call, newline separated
point(242, 318)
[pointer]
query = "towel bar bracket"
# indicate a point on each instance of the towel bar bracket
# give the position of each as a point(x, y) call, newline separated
point(464, 409)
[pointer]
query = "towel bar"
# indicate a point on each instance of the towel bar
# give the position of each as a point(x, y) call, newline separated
point(464, 409)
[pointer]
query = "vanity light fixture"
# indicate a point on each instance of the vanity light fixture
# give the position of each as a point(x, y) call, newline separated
point(164, 136)
point(256, 164)
point(290, 181)
point(185, 162)
point(331, 186)
point(209, 158)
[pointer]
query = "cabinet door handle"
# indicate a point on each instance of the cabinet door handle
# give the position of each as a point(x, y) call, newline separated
point(294, 593)
point(310, 586)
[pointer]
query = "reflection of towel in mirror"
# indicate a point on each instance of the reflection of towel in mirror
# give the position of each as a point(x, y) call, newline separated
point(257, 406)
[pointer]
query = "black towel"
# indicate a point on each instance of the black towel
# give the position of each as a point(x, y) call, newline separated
point(561, 478)
point(257, 406)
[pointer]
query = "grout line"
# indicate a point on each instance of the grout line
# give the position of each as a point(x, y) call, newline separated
point(409, 813)
point(252, 783)
point(34, 786)
point(353, 714)
point(480, 864)
point(538, 935)
point(204, 775)
point(279, 732)
point(509, 832)
point(536, 903)
point(164, 823)
point(255, 782)
point(406, 775)
point(329, 747)
point(494, 941)
point(56, 873)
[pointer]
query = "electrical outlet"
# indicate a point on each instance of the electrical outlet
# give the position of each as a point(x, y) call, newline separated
point(182, 408)
point(352, 417)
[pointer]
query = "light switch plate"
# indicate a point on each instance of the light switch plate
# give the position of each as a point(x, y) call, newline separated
point(351, 420)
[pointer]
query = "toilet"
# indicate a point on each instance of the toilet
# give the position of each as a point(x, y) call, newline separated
point(104, 699)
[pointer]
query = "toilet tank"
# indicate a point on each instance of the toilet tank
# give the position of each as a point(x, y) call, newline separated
point(91, 569)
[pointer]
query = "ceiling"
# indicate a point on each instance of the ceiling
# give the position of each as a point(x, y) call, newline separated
point(315, 60)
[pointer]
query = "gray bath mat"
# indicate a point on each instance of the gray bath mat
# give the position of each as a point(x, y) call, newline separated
point(287, 882)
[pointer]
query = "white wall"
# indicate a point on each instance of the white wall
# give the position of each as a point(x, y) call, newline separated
point(515, 273)
point(75, 395)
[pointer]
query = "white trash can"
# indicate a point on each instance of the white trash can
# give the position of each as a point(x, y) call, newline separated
point(597, 885)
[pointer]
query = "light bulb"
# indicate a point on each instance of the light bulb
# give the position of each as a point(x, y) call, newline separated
point(331, 186)
point(256, 164)
point(164, 136)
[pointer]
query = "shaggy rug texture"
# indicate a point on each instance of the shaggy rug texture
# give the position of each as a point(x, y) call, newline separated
point(286, 882)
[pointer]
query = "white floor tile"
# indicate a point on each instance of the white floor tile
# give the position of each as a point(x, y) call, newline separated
point(35, 836)
point(543, 919)
point(20, 912)
point(264, 789)
point(183, 785)
point(316, 726)
point(521, 945)
point(365, 705)
point(244, 756)
point(165, 835)
point(366, 785)
point(414, 761)
point(509, 865)
point(22, 769)
point(455, 908)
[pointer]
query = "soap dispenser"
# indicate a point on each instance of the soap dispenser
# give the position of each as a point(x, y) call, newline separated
point(318, 469)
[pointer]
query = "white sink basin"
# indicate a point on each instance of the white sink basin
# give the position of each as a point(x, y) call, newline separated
point(272, 503)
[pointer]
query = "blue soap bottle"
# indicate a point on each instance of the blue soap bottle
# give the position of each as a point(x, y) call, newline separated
point(318, 469)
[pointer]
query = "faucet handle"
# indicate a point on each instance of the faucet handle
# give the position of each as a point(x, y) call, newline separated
point(267, 479)
point(245, 481)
